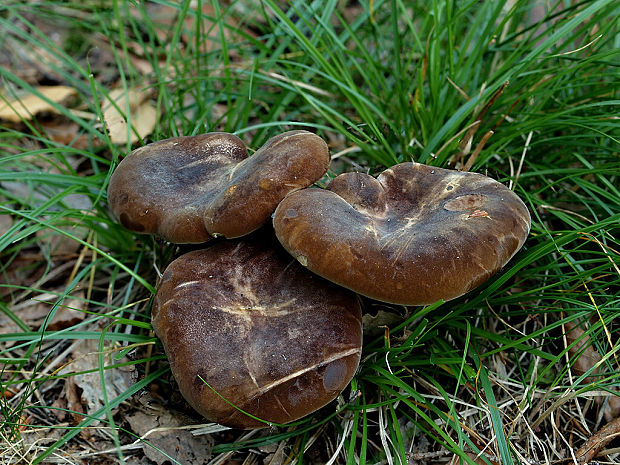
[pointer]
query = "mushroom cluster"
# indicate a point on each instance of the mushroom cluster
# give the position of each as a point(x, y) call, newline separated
point(259, 330)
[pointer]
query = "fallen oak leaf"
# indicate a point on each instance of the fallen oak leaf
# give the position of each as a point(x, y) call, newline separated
point(44, 99)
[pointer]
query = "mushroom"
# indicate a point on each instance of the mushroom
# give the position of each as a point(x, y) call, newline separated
point(414, 235)
point(247, 329)
point(188, 189)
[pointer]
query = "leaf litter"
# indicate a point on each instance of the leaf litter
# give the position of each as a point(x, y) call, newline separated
point(88, 382)
point(164, 435)
point(132, 105)
point(587, 360)
point(43, 100)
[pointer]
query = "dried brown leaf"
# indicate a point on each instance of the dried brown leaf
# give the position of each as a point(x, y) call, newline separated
point(117, 380)
point(374, 324)
point(73, 401)
point(34, 311)
point(32, 314)
point(60, 405)
point(6, 221)
point(68, 133)
point(70, 313)
point(29, 105)
point(587, 358)
point(142, 112)
point(59, 245)
point(23, 271)
point(164, 436)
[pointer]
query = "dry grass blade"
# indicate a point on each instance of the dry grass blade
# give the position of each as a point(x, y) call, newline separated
point(472, 159)
point(512, 184)
point(466, 143)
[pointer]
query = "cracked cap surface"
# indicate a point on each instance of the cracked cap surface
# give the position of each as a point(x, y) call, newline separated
point(266, 334)
point(414, 235)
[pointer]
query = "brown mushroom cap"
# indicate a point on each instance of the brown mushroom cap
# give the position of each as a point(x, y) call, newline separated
point(266, 334)
point(188, 189)
point(414, 235)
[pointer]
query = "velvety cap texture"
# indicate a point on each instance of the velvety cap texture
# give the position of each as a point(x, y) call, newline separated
point(270, 337)
point(414, 235)
point(188, 189)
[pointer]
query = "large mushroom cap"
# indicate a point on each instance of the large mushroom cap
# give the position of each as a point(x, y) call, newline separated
point(188, 189)
point(412, 236)
point(266, 334)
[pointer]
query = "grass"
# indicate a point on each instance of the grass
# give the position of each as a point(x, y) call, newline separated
point(523, 91)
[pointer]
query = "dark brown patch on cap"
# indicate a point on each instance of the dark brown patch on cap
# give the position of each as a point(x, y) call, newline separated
point(466, 202)
point(412, 236)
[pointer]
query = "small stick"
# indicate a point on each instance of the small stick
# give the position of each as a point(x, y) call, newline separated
point(598, 440)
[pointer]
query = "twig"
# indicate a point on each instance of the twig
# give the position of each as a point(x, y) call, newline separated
point(598, 440)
